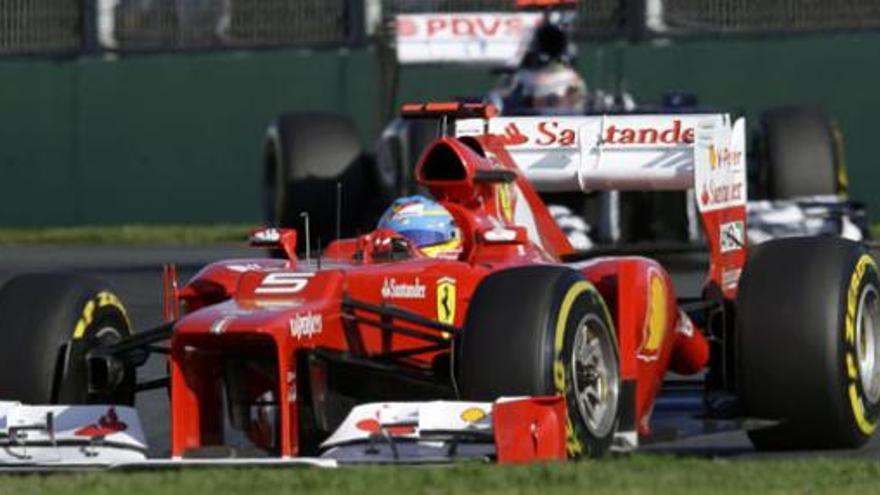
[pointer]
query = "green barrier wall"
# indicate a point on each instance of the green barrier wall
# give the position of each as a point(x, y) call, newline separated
point(164, 139)
point(177, 138)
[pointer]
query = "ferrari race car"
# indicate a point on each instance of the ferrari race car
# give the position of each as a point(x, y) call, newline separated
point(796, 169)
point(372, 351)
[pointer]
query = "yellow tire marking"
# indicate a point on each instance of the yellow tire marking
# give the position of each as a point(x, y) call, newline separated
point(852, 301)
point(575, 290)
point(861, 420)
point(851, 370)
point(100, 300)
point(573, 444)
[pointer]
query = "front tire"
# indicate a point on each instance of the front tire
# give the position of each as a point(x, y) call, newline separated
point(544, 330)
point(808, 329)
point(49, 323)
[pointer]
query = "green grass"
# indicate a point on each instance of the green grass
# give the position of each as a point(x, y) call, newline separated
point(125, 234)
point(632, 475)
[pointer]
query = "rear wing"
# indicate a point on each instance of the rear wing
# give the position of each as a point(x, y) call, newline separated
point(625, 152)
point(700, 152)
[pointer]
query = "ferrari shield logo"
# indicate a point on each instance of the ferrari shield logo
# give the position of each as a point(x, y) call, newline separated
point(446, 300)
point(505, 202)
point(655, 319)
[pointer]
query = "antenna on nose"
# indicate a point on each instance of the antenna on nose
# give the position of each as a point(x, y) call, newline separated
point(339, 210)
point(305, 216)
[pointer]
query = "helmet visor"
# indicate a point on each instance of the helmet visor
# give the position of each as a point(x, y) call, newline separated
point(422, 238)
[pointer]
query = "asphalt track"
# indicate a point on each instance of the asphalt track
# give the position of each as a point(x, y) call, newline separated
point(136, 274)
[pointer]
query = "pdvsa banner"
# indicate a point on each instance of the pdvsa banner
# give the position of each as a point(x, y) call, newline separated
point(488, 38)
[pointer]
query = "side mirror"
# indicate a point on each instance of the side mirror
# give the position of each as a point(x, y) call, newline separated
point(513, 234)
point(271, 237)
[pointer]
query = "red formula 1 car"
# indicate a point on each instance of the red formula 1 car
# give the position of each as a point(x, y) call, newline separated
point(373, 350)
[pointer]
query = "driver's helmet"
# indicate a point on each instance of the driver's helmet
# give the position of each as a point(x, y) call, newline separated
point(552, 89)
point(426, 224)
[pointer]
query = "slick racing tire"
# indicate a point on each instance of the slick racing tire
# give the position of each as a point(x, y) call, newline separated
point(808, 341)
point(544, 330)
point(402, 144)
point(801, 154)
point(307, 157)
point(49, 322)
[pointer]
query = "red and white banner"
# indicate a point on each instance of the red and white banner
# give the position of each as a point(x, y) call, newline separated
point(489, 38)
point(600, 152)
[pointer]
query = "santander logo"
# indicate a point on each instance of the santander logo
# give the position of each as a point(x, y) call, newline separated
point(563, 134)
point(547, 133)
point(107, 424)
point(675, 134)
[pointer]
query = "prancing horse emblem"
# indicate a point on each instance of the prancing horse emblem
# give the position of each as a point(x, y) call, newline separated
point(446, 300)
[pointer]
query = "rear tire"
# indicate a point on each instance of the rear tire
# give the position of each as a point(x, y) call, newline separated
point(801, 154)
point(402, 144)
point(306, 158)
point(544, 330)
point(808, 330)
point(49, 323)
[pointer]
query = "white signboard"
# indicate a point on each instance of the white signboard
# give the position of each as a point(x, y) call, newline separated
point(489, 38)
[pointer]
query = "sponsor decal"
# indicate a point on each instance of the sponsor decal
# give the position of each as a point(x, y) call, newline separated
point(306, 325)
point(675, 134)
point(284, 283)
point(266, 235)
point(465, 26)
point(547, 133)
point(406, 210)
point(500, 234)
point(392, 289)
point(685, 325)
point(551, 133)
point(371, 425)
point(446, 300)
point(275, 304)
point(730, 278)
point(721, 182)
point(655, 319)
point(473, 415)
point(503, 195)
point(724, 158)
point(721, 194)
point(732, 236)
point(463, 37)
point(219, 325)
point(512, 136)
point(560, 133)
point(244, 267)
point(107, 424)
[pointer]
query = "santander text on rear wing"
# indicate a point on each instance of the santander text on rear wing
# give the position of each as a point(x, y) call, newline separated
point(628, 152)
point(702, 152)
